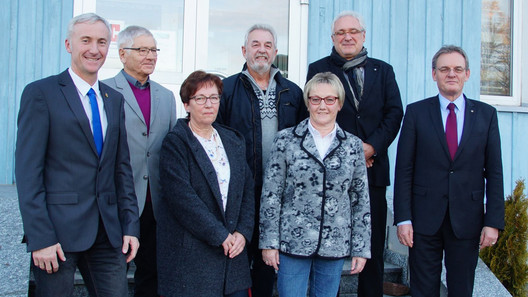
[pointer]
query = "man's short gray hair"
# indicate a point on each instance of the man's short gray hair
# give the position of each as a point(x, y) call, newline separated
point(325, 78)
point(447, 49)
point(263, 27)
point(126, 37)
point(353, 14)
point(90, 18)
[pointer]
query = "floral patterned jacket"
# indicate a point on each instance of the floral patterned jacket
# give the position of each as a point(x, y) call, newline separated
point(311, 206)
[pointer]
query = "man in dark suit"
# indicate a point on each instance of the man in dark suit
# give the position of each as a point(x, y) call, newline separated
point(372, 111)
point(150, 111)
point(73, 173)
point(449, 158)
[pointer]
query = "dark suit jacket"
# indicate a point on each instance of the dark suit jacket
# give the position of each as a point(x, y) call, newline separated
point(192, 222)
point(428, 184)
point(64, 188)
point(377, 120)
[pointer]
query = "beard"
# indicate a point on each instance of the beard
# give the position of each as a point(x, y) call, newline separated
point(260, 68)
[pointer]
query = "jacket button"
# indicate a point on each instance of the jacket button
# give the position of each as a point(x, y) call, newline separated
point(148, 154)
point(358, 116)
point(145, 176)
point(451, 172)
point(144, 133)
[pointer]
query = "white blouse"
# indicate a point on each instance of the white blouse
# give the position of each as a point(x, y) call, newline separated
point(215, 151)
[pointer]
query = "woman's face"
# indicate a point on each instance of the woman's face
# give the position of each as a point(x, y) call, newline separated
point(203, 115)
point(323, 114)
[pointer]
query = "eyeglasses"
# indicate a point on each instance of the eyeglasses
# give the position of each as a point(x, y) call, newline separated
point(328, 100)
point(446, 70)
point(144, 51)
point(200, 100)
point(343, 33)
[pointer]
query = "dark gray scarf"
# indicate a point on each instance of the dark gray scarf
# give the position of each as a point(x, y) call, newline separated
point(355, 65)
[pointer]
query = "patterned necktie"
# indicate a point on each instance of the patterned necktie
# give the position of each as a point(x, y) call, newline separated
point(451, 131)
point(96, 122)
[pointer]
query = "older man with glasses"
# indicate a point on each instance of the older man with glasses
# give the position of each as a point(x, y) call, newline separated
point(150, 111)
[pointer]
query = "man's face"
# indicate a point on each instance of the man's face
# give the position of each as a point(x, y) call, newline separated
point(450, 75)
point(88, 46)
point(348, 37)
point(139, 67)
point(260, 51)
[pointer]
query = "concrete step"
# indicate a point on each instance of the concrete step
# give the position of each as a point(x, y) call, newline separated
point(347, 288)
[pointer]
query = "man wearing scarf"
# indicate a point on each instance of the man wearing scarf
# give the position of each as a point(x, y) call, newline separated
point(373, 112)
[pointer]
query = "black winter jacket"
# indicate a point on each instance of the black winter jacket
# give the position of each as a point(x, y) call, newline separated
point(239, 109)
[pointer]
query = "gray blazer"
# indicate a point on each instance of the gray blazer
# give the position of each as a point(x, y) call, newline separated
point(311, 206)
point(145, 149)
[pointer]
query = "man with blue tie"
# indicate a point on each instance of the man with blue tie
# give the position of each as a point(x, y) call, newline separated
point(74, 180)
point(448, 160)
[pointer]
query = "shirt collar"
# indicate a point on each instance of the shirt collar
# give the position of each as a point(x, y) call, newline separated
point(136, 82)
point(315, 132)
point(459, 102)
point(82, 86)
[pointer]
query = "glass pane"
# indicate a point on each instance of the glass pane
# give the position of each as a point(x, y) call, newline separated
point(228, 22)
point(164, 18)
point(496, 47)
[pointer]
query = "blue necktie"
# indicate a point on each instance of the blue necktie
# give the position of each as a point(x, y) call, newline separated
point(96, 122)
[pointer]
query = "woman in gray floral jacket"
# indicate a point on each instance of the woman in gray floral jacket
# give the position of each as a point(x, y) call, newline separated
point(315, 208)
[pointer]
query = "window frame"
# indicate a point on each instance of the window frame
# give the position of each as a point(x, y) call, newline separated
point(520, 41)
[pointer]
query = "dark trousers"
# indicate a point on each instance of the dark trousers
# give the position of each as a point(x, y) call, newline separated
point(103, 269)
point(146, 275)
point(262, 275)
point(425, 261)
point(370, 280)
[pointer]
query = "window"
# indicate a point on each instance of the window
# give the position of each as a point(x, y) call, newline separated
point(205, 34)
point(500, 70)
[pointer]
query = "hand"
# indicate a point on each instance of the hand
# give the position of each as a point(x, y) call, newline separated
point(238, 245)
point(228, 242)
point(357, 265)
point(46, 258)
point(405, 234)
point(369, 152)
point(132, 243)
point(488, 236)
point(271, 258)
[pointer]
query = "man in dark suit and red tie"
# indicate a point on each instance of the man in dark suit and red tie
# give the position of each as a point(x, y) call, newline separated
point(448, 190)
point(73, 173)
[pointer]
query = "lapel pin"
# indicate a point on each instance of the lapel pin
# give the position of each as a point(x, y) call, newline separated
point(472, 110)
point(106, 95)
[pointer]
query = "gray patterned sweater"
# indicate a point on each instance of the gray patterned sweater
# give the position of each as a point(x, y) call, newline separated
point(311, 206)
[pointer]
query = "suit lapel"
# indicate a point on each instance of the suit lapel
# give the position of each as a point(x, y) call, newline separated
point(438, 125)
point(469, 119)
point(207, 168)
point(125, 89)
point(154, 104)
point(371, 71)
point(69, 90)
point(112, 115)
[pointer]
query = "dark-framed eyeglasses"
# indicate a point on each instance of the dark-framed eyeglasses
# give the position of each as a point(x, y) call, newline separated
point(446, 70)
point(200, 99)
point(144, 51)
point(330, 100)
point(343, 33)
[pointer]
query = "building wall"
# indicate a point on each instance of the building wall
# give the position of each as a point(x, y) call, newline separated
point(405, 33)
point(33, 37)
